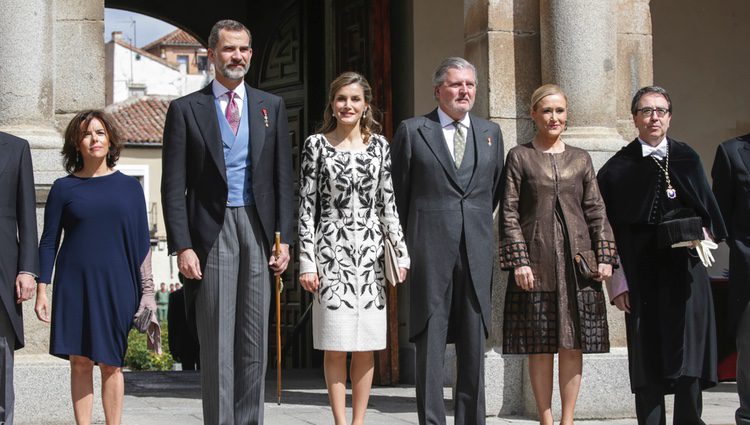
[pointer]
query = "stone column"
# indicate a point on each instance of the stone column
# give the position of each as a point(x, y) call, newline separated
point(579, 53)
point(635, 67)
point(79, 61)
point(27, 94)
point(27, 71)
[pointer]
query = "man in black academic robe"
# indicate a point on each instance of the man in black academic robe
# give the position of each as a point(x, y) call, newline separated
point(731, 175)
point(667, 297)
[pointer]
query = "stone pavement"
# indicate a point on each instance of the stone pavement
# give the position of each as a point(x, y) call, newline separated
point(166, 398)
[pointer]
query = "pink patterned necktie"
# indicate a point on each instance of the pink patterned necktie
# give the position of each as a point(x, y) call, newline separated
point(232, 113)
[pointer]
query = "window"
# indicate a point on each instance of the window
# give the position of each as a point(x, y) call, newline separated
point(202, 62)
point(137, 90)
point(184, 60)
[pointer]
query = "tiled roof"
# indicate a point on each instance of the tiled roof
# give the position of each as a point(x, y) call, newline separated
point(177, 37)
point(140, 120)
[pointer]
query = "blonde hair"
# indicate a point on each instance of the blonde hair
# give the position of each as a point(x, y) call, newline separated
point(368, 124)
point(544, 91)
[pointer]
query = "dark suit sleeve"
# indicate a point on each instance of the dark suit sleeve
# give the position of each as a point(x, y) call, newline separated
point(174, 180)
point(401, 172)
point(721, 172)
point(498, 182)
point(28, 254)
point(284, 178)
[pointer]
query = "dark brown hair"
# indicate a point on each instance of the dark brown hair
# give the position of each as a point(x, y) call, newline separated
point(229, 25)
point(368, 124)
point(74, 133)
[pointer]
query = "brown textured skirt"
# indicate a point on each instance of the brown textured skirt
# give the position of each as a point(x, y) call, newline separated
point(541, 322)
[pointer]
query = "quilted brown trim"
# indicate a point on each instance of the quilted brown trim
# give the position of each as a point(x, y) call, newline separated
point(530, 323)
point(606, 252)
point(514, 254)
point(592, 312)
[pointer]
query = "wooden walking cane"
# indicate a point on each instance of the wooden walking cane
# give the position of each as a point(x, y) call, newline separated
point(279, 288)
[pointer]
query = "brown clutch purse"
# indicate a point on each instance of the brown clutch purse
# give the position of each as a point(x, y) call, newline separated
point(586, 268)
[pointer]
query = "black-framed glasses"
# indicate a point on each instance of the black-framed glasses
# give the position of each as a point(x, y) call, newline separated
point(647, 112)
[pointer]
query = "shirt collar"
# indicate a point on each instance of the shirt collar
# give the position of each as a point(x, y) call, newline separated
point(219, 90)
point(659, 151)
point(446, 121)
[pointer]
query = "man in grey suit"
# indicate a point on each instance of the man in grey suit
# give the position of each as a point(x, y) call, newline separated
point(731, 175)
point(447, 168)
point(19, 256)
point(226, 188)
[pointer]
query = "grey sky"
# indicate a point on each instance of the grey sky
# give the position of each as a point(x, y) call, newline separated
point(147, 29)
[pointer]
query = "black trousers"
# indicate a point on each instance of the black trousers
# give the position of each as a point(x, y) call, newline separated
point(458, 320)
point(688, 404)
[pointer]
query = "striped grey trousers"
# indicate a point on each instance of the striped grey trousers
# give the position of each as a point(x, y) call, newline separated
point(232, 307)
point(7, 347)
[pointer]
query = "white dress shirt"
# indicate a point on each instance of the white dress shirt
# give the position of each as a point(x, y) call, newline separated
point(449, 130)
point(220, 92)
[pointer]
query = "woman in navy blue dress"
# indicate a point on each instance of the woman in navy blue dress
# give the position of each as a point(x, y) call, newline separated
point(99, 268)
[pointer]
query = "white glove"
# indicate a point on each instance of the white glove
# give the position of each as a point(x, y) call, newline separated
point(703, 248)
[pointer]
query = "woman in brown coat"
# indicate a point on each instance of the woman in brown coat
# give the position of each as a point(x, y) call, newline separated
point(553, 215)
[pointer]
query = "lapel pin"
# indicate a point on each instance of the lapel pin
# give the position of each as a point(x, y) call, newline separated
point(264, 111)
point(489, 141)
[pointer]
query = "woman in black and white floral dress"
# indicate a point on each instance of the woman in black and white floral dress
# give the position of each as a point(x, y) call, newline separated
point(346, 199)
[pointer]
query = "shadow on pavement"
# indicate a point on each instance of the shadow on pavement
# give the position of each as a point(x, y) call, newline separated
point(305, 387)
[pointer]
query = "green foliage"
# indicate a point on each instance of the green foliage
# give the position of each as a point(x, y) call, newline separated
point(138, 356)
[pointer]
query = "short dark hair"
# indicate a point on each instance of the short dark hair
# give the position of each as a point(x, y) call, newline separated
point(647, 90)
point(229, 25)
point(77, 127)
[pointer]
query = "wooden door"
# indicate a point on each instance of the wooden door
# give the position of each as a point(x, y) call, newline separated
point(361, 37)
point(285, 69)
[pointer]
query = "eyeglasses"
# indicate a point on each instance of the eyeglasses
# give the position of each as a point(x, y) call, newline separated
point(647, 112)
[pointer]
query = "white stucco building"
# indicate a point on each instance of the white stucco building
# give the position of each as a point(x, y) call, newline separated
point(132, 72)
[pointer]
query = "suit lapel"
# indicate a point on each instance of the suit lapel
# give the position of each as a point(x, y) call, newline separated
point(256, 120)
point(5, 158)
point(204, 110)
point(745, 155)
point(432, 133)
point(482, 149)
